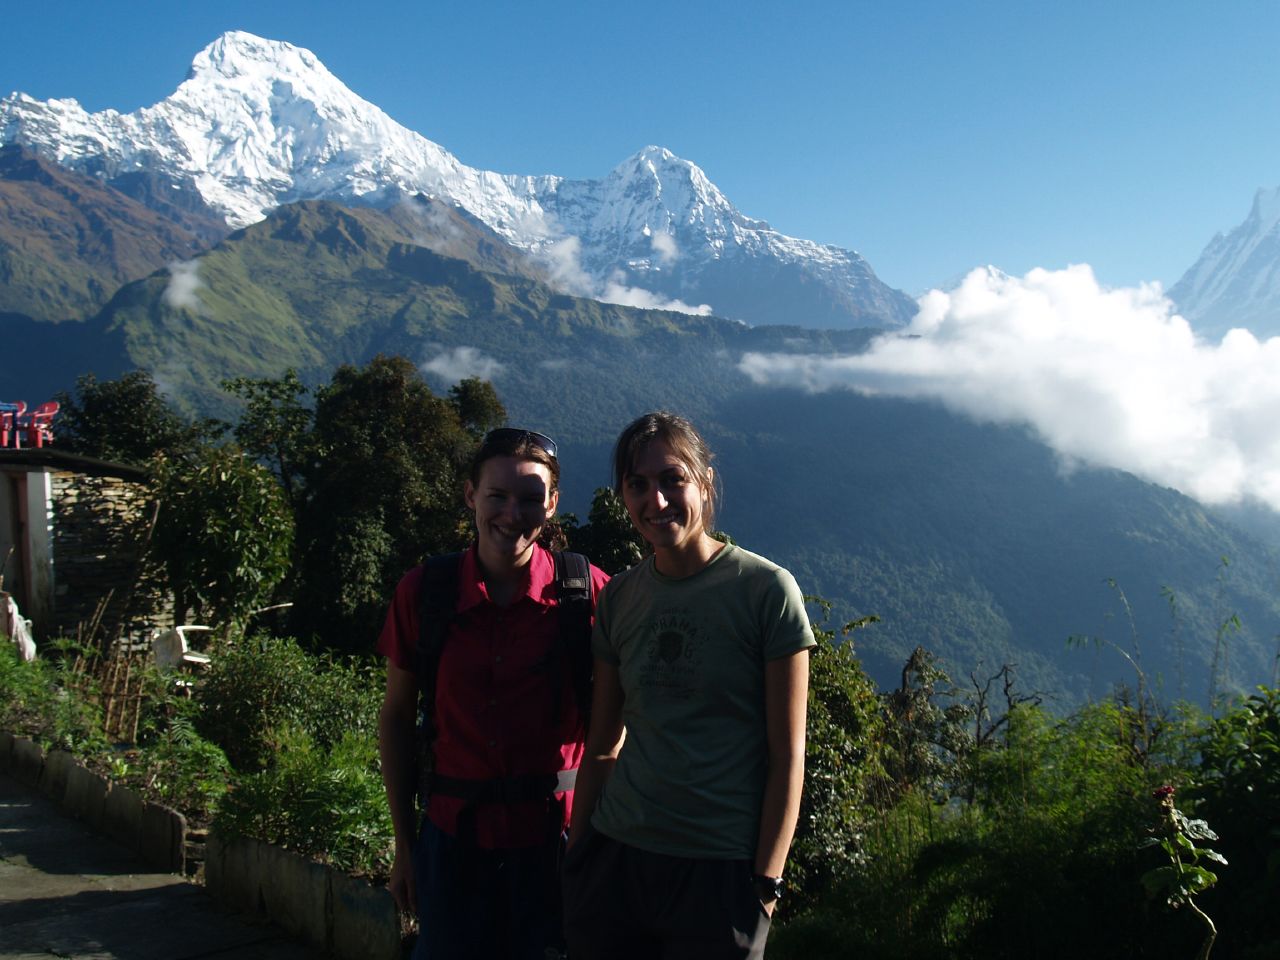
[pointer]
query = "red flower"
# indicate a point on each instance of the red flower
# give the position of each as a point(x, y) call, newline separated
point(1162, 793)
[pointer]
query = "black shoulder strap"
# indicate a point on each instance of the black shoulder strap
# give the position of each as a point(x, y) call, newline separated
point(437, 603)
point(573, 592)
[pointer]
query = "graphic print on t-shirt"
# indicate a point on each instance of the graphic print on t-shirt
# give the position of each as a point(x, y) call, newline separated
point(673, 661)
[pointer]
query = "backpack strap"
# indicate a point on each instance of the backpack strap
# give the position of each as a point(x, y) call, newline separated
point(437, 608)
point(573, 598)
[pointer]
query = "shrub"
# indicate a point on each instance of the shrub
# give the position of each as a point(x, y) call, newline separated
point(325, 803)
point(45, 701)
point(263, 684)
point(224, 532)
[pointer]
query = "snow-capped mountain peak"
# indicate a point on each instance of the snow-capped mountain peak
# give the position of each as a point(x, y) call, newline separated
point(1236, 281)
point(260, 123)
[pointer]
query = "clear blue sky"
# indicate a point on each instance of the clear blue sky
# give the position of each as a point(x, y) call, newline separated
point(930, 136)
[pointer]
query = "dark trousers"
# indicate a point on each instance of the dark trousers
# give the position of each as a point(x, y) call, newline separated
point(476, 904)
point(622, 903)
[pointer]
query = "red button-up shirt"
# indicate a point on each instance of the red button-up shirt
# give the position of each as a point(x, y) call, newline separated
point(494, 710)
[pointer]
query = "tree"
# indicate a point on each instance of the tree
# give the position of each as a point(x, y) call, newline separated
point(125, 420)
point(609, 538)
point(383, 490)
point(478, 406)
point(275, 427)
point(843, 756)
point(224, 533)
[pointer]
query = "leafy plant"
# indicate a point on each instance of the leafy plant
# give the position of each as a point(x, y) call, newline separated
point(186, 771)
point(1184, 877)
point(224, 533)
point(263, 684)
point(325, 803)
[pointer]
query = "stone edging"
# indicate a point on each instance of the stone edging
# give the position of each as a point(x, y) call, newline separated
point(345, 916)
point(156, 833)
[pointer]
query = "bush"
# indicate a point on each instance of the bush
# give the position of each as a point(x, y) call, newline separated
point(186, 771)
point(43, 700)
point(842, 764)
point(224, 533)
point(262, 684)
point(324, 803)
point(1239, 794)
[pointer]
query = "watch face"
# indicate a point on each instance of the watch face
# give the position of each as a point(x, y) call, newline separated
point(768, 888)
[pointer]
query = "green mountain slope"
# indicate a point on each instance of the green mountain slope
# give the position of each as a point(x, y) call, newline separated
point(966, 539)
point(68, 242)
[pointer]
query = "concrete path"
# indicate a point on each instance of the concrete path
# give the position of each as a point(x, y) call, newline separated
point(67, 892)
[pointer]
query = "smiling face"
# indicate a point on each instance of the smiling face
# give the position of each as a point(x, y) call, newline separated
point(665, 499)
point(512, 500)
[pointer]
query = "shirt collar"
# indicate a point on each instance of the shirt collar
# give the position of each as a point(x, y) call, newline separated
point(540, 586)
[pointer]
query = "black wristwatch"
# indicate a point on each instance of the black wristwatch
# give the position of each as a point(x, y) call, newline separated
point(768, 889)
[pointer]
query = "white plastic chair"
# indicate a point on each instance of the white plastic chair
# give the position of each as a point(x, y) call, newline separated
point(172, 651)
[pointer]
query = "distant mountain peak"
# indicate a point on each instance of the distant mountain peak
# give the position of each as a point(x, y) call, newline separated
point(260, 123)
point(1236, 281)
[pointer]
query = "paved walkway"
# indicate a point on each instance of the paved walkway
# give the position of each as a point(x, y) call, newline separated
point(67, 892)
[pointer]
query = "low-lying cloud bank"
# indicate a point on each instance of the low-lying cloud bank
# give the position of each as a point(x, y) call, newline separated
point(1109, 377)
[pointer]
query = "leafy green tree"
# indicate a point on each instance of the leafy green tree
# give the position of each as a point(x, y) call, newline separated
point(478, 406)
point(276, 426)
point(608, 538)
point(842, 766)
point(383, 490)
point(125, 420)
point(223, 533)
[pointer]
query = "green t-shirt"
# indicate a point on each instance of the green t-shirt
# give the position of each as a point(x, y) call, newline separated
point(691, 655)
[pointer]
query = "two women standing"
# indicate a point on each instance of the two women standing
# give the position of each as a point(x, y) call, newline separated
point(688, 793)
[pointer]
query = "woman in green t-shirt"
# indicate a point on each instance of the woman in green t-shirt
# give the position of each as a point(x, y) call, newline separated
point(689, 791)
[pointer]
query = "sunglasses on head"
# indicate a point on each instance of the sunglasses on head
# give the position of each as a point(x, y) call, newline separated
point(514, 436)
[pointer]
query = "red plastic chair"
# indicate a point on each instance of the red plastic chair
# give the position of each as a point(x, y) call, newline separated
point(9, 414)
point(40, 424)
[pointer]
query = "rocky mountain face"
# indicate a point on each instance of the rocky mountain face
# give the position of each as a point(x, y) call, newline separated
point(69, 241)
point(1236, 281)
point(258, 124)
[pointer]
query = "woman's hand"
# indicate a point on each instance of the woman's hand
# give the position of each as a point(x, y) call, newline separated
point(401, 885)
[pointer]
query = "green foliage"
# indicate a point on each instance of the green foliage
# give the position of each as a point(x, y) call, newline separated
point(842, 768)
point(186, 771)
point(384, 490)
point(325, 803)
point(43, 699)
point(275, 426)
point(1238, 790)
point(124, 420)
point(478, 406)
point(608, 537)
point(262, 684)
point(224, 533)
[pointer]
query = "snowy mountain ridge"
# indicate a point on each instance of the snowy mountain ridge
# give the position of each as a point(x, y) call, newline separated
point(260, 123)
point(1236, 280)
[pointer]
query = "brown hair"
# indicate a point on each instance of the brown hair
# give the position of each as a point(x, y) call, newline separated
point(522, 445)
point(685, 442)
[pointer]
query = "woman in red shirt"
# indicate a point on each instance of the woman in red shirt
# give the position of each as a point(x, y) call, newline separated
point(506, 727)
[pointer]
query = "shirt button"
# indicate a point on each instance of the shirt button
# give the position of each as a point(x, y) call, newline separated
point(493, 743)
point(498, 658)
point(492, 701)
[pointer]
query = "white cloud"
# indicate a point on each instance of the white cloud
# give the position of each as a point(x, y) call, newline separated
point(563, 263)
point(1110, 377)
point(184, 280)
point(434, 225)
point(665, 248)
point(463, 362)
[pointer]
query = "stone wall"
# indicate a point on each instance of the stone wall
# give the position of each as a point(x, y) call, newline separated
point(101, 526)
